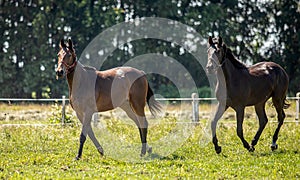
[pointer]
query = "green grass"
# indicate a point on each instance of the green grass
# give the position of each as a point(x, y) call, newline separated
point(47, 152)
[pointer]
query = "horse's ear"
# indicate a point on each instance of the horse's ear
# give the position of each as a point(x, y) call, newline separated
point(210, 41)
point(220, 41)
point(70, 43)
point(62, 43)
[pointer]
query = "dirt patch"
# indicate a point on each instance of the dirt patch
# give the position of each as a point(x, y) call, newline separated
point(43, 112)
point(24, 115)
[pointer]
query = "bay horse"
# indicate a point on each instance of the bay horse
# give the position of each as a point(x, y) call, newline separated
point(239, 86)
point(92, 91)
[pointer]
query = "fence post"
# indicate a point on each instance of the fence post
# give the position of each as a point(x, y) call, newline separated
point(195, 104)
point(63, 110)
point(297, 105)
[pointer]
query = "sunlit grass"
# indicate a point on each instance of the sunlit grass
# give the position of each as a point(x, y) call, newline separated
point(48, 151)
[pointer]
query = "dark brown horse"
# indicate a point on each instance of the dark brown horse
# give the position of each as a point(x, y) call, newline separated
point(92, 91)
point(239, 86)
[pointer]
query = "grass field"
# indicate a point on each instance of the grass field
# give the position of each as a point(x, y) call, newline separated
point(47, 151)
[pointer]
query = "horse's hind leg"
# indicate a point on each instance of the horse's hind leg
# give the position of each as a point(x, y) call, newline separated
point(137, 100)
point(142, 127)
point(278, 104)
point(263, 120)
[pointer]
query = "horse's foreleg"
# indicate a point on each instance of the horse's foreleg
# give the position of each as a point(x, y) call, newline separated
point(95, 141)
point(263, 120)
point(82, 137)
point(240, 119)
point(87, 130)
point(82, 140)
point(220, 110)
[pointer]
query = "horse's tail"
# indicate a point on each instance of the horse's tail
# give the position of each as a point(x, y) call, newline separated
point(154, 106)
point(286, 104)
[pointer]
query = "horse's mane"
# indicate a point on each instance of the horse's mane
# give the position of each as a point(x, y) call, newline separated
point(89, 68)
point(236, 63)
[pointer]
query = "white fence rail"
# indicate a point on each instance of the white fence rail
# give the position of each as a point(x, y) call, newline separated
point(194, 99)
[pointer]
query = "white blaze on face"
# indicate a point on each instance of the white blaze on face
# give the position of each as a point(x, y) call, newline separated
point(213, 61)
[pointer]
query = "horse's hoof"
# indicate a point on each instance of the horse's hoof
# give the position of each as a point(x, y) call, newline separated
point(142, 155)
point(101, 153)
point(77, 158)
point(149, 150)
point(274, 147)
point(100, 150)
point(218, 149)
point(251, 149)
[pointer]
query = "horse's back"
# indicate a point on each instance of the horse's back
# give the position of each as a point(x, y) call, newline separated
point(114, 85)
point(271, 76)
point(131, 76)
point(260, 82)
point(269, 71)
point(266, 68)
point(121, 72)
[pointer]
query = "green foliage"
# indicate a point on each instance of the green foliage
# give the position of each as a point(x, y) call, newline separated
point(205, 92)
point(31, 30)
point(168, 90)
point(56, 115)
point(172, 92)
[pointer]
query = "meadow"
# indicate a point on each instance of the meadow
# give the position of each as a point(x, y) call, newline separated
point(40, 150)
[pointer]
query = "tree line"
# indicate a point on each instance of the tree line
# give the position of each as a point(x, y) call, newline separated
point(31, 30)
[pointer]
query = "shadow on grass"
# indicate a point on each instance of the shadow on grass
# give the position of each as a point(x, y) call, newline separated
point(155, 156)
point(276, 152)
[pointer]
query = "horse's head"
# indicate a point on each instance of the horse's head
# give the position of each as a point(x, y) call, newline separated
point(216, 53)
point(66, 59)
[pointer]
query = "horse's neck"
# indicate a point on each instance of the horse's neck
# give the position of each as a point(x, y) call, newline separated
point(226, 74)
point(221, 86)
point(70, 82)
point(229, 71)
point(82, 83)
point(72, 77)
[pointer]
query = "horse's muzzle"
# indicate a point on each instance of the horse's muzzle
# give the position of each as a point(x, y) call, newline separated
point(59, 74)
